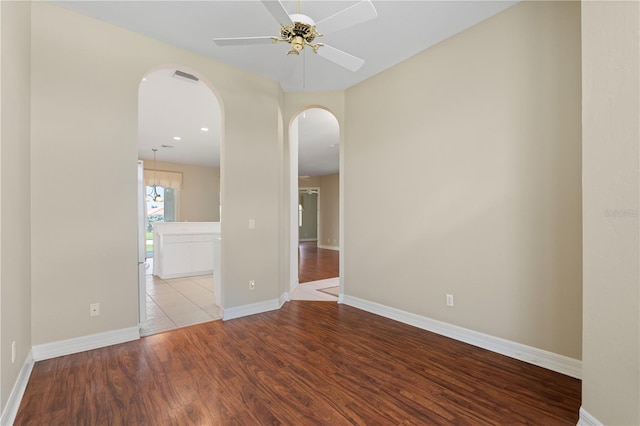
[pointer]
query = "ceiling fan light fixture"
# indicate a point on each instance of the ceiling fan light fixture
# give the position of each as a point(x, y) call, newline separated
point(297, 43)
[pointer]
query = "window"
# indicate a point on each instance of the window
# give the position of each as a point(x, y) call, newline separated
point(164, 208)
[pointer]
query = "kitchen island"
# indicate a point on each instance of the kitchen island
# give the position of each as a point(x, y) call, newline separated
point(184, 249)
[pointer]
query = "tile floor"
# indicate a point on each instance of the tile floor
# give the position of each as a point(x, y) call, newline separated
point(179, 302)
point(309, 291)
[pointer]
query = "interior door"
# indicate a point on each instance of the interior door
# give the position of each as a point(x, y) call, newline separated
point(142, 246)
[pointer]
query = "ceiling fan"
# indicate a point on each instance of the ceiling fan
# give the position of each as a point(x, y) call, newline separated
point(300, 30)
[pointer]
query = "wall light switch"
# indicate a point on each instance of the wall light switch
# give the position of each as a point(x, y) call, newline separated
point(449, 299)
point(252, 224)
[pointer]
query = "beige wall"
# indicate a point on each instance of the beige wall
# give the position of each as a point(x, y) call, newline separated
point(200, 192)
point(309, 182)
point(330, 210)
point(15, 242)
point(474, 166)
point(611, 131)
point(84, 100)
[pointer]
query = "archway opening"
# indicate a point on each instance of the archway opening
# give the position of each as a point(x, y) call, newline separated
point(314, 139)
point(179, 137)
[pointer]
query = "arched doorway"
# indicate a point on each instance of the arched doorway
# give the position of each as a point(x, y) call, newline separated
point(179, 136)
point(314, 138)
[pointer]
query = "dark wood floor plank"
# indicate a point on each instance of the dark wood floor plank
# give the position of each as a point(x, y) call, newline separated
point(310, 363)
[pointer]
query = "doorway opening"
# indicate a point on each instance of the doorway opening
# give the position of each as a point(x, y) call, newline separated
point(179, 119)
point(314, 138)
point(308, 214)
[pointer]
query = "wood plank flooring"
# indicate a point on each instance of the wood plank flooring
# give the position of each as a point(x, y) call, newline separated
point(315, 263)
point(309, 363)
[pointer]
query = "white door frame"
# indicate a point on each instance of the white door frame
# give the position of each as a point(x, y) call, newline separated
point(142, 246)
point(293, 206)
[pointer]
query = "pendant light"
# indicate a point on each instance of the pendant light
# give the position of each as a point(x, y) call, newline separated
point(154, 193)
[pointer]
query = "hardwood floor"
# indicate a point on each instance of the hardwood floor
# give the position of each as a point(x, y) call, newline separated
point(307, 363)
point(315, 263)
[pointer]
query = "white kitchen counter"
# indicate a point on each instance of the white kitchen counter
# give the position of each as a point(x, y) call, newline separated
point(184, 249)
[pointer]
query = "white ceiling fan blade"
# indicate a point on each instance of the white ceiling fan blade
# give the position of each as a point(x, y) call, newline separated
point(278, 11)
point(242, 41)
point(344, 59)
point(356, 14)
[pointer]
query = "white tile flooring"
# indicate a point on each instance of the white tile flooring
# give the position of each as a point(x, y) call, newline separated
point(181, 302)
point(309, 291)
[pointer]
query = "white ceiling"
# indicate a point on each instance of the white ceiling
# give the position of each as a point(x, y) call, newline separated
point(318, 143)
point(176, 108)
point(401, 30)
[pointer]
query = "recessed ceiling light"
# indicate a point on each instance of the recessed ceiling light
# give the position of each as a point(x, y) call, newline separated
point(204, 129)
point(177, 138)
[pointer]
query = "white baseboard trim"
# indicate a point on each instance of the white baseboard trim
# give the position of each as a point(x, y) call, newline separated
point(308, 239)
point(587, 419)
point(85, 343)
point(329, 247)
point(186, 274)
point(549, 360)
point(15, 397)
point(252, 309)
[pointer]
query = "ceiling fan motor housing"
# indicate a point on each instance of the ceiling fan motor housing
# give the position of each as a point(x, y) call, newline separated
point(302, 31)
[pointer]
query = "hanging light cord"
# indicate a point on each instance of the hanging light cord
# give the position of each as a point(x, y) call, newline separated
point(154, 167)
point(154, 193)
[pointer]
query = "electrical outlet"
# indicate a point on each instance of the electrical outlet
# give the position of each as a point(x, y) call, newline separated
point(252, 285)
point(449, 299)
point(94, 309)
point(13, 352)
